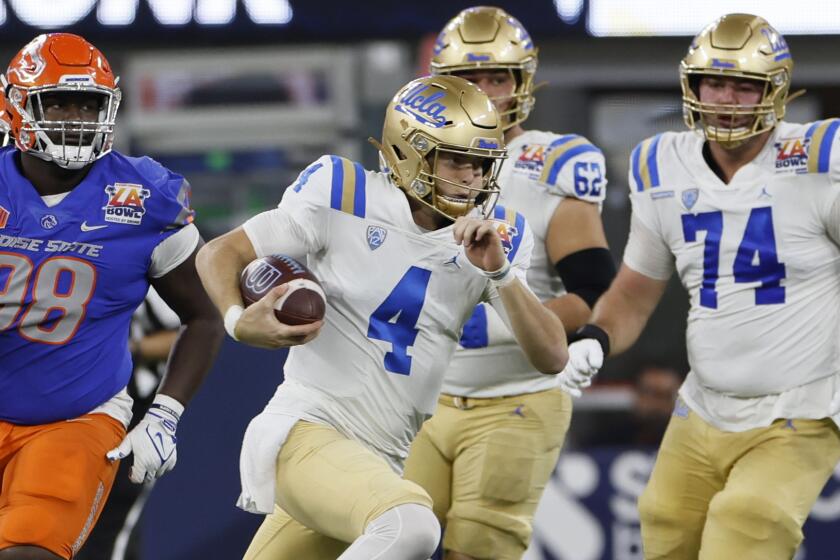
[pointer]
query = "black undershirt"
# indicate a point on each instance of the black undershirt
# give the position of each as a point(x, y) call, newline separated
point(710, 161)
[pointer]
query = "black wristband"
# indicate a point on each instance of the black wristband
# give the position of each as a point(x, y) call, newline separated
point(592, 331)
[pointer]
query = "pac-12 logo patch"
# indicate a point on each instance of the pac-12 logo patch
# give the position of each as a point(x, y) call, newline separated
point(689, 198)
point(125, 203)
point(376, 237)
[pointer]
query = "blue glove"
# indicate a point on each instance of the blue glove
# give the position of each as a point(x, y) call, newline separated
point(152, 441)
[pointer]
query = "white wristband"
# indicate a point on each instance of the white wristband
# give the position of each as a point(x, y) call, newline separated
point(501, 277)
point(169, 404)
point(232, 315)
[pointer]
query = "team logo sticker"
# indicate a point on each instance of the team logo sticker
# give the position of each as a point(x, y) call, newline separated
point(689, 198)
point(263, 278)
point(48, 221)
point(507, 233)
point(792, 155)
point(376, 237)
point(423, 105)
point(126, 203)
point(531, 160)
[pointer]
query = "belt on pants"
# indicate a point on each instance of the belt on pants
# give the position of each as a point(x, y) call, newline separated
point(466, 403)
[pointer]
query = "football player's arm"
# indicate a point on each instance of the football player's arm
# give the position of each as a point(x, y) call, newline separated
point(538, 331)
point(153, 440)
point(577, 246)
point(622, 312)
point(575, 169)
point(220, 264)
point(201, 332)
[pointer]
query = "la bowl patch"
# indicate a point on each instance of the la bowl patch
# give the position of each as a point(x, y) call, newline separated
point(125, 203)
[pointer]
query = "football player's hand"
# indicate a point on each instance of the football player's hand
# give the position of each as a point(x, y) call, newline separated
point(152, 441)
point(585, 359)
point(481, 242)
point(258, 326)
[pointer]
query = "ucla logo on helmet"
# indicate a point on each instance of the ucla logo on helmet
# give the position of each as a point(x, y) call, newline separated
point(778, 45)
point(376, 237)
point(125, 203)
point(422, 106)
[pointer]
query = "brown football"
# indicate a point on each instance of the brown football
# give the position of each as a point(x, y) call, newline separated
point(303, 303)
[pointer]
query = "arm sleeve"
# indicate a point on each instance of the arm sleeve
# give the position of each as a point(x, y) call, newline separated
point(173, 250)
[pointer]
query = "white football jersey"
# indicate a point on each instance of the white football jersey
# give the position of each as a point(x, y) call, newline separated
point(541, 170)
point(759, 258)
point(397, 297)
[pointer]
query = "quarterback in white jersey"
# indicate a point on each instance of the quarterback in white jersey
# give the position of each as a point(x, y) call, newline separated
point(499, 417)
point(748, 214)
point(325, 456)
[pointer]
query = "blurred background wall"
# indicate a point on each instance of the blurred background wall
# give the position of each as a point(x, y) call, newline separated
point(240, 95)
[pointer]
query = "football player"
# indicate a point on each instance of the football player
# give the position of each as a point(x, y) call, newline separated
point(748, 213)
point(404, 256)
point(487, 453)
point(84, 232)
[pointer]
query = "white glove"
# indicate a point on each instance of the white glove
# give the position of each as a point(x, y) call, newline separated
point(585, 359)
point(152, 441)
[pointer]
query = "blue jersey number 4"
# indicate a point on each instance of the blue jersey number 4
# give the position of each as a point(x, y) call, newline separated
point(395, 320)
point(756, 260)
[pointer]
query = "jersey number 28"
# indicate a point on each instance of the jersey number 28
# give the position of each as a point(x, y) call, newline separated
point(61, 290)
point(756, 260)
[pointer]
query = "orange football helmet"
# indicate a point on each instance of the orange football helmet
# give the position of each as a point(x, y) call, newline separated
point(55, 63)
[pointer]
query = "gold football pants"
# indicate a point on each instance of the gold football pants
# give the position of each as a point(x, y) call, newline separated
point(717, 495)
point(485, 462)
point(328, 489)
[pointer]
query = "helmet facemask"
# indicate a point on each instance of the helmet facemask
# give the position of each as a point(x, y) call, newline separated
point(708, 117)
point(427, 187)
point(71, 144)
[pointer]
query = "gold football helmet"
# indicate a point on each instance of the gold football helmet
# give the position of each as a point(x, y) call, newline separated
point(437, 114)
point(738, 46)
point(487, 38)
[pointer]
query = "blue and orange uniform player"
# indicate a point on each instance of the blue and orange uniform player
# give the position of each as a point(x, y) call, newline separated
point(84, 231)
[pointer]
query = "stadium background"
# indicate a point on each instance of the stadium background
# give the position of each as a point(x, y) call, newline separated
point(240, 95)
